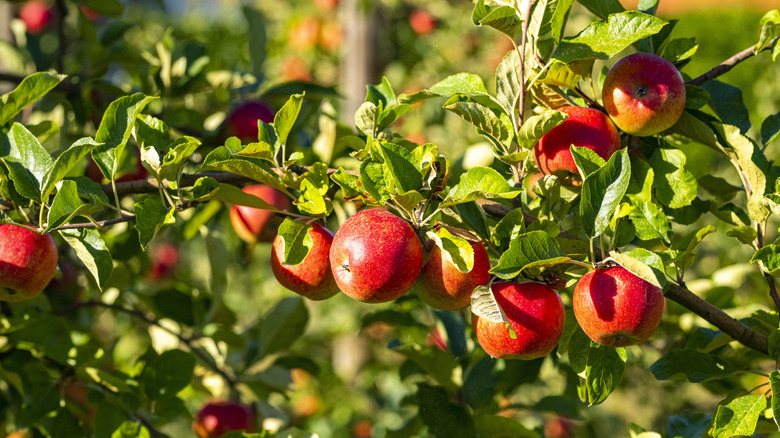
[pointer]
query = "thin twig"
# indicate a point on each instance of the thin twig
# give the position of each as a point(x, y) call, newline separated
point(728, 64)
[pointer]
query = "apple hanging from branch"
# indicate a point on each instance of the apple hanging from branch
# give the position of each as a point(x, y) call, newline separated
point(28, 260)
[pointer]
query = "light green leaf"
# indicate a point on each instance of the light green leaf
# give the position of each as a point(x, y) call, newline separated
point(587, 160)
point(601, 367)
point(67, 204)
point(484, 305)
point(535, 249)
point(374, 180)
point(536, 126)
point(768, 258)
point(508, 84)
point(739, 417)
point(675, 187)
point(564, 75)
point(603, 40)
point(296, 241)
point(509, 228)
point(131, 429)
point(650, 221)
point(504, 19)
point(177, 157)
point(285, 118)
point(367, 118)
point(28, 91)
point(454, 249)
point(91, 249)
point(639, 268)
point(151, 215)
point(480, 183)
point(770, 29)
point(28, 162)
point(311, 199)
point(602, 192)
point(231, 194)
point(65, 162)
point(401, 164)
point(774, 385)
point(487, 123)
point(350, 187)
point(460, 83)
point(680, 49)
point(221, 159)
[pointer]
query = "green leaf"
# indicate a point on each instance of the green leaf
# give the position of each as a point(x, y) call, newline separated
point(729, 104)
point(744, 233)
point(650, 221)
point(690, 125)
point(28, 162)
point(680, 49)
point(694, 366)
point(536, 126)
point(602, 192)
point(67, 204)
point(455, 249)
point(44, 335)
point(443, 417)
point(496, 426)
point(152, 132)
point(91, 249)
point(130, 429)
point(739, 417)
point(587, 161)
point(285, 118)
point(558, 20)
point(151, 216)
point(460, 83)
point(231, 194)
point(603, 8)
point(603, 40)
point(508, 85)
point(774, 385)
point(504, 19)
point(600, 366)
point(257, 38)
point(640, 268)
point(484, 305)
point(367, 118)
point(768, 258)
point(565, 75)
point(480, 183)
point(373, 180)
point(296, 241)
point(770, 128)
point(65, 162)
point(115, 129)
point(281, 326)
point(312, 199)
point(168, 374)
point(770, 29)
point(112, 8)
point(675, 187)
point(350, 186)
point(221, 159)
point(28, 91)
point(487, 123)
point(687, 245)
point(401, 164)
point(535, 249)
point(509, 228)
point(179, 154)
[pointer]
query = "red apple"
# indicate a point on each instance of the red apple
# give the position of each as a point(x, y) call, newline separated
point(28, 260)
point(559, 426)
point(644, 94)
point(219, 417)
point(616, 308)
point(36, 15)
point(90, 14)
point(164, 257)
point(536, 315)
point(326, 5)
point(242, 121)
point(305, 33)
point(443, 286)
point(585, 127)
point(254, 224)
point(375, 256)
point(422, 22)
point(331, 35)
point(312, 278)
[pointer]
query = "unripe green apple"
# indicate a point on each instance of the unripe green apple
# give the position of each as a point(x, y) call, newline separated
point(312, 278)
point(28, 260)
point(585, 127)
point(375, 256)
point(219, 417)
point(644, 94)
point(443, 286)
point(535, 313)
point(616, 308)
point(255, 224)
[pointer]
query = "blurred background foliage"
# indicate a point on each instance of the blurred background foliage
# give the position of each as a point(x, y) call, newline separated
point(357, 370)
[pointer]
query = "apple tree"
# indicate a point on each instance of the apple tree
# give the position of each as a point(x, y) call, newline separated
point(584, 282)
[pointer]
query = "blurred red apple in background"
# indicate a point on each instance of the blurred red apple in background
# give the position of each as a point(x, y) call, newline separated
point(422, 22)
point(36, 15)
point(242, 121)
point(219, 417)
point(254, 224)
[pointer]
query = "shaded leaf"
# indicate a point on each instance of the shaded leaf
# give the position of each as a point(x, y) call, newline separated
point(535, 249)
point(602, 192)
point(694, 366)
point(28, 91)
point(28, 162)
point(91, 250)
point(296, 241)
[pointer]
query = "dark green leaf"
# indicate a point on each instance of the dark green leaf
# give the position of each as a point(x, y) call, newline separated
point(691, 125)
point(28, 162)
point(603, 40)
point(729, 104)
point(257, 38)
point(443, 417)
point(680, 49)
point(65, 162)
point(601, 367)
point(535, 249)
point(509, 228)
point(44, 335)
point(675, 187)
point(68, 204)
point(603, 8)
point(151, 215)
point(151, 131)
point(401, 164)
point(177, 157)
point(496, 426)
point(28, 91)
point(112, 8)
point(92, 251)
point(739, 417)
point(770, 128)
point(602, 192)
point(694, 366)
point(168, 374)
point(373, 179)
point(281, 326)
point(774, 385)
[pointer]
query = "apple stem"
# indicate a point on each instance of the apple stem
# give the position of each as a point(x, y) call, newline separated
point(583, 264)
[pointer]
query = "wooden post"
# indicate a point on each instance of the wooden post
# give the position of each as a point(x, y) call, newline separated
point(357, 58)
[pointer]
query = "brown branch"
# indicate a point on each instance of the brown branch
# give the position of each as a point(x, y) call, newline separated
point(728, 64)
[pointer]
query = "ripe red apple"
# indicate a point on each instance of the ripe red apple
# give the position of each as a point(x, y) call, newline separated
point(422, 22)
point(219, 417)
point(536, 315)
point(585, 127)
point(242, 121)
point(254, 224)
point(36, 15)
point(28, 260)
point(616, 308)
point(164, 257)
point(375, 256)
point(644, 94)
point(443, 286)
point(312, 278)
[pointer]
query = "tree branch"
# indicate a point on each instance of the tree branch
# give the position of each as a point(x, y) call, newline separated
point(728, 64)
